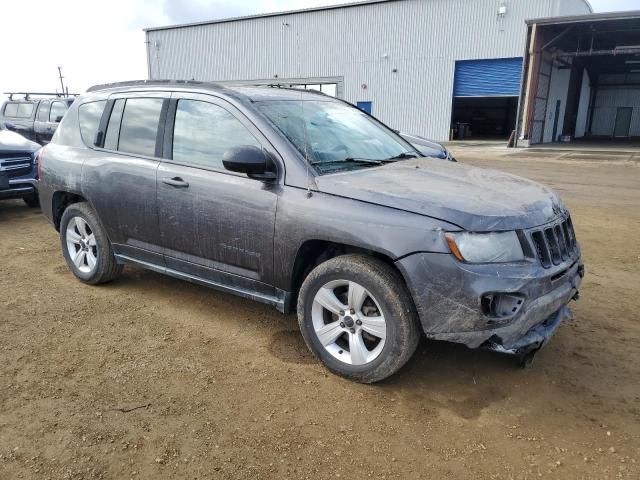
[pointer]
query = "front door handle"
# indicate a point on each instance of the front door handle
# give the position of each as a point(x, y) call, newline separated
point(176, 182)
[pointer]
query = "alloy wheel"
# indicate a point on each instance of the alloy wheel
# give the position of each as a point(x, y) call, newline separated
point(349, 322)
point(81, 245)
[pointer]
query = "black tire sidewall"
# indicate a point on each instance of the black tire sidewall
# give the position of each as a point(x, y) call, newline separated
point(85, 212)
point(398, 318)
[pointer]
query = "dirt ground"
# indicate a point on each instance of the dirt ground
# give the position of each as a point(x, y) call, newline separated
point(150, 377)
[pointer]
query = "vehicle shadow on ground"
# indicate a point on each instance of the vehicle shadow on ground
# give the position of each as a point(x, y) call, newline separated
point(13, 210)
point(440, 374)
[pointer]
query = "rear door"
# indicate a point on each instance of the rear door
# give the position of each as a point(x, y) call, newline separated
point(215, 224)
point(120, 177)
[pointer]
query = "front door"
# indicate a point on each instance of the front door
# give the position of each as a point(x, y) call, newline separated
point(215, 224)
point(623, 122)
point(40, 125)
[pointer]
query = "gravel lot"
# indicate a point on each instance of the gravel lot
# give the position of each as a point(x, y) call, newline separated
point(150, 377)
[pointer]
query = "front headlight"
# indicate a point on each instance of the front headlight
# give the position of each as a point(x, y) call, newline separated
point(496, 247)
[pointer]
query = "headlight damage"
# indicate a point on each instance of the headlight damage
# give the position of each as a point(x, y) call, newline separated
point(498, 247)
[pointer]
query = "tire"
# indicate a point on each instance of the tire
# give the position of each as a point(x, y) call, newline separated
point(32, 201)
point(385, 320)
point(87, 241)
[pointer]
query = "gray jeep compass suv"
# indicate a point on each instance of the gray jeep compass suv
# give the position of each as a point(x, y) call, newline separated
point(300, 200)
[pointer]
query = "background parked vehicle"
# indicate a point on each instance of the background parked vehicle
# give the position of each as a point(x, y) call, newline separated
point(302, 201)
point(18, 167)
point(33, 117)
point(428, 148)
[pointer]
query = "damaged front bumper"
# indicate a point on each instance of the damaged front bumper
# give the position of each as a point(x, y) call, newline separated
point(531, 342)
point(450, 299)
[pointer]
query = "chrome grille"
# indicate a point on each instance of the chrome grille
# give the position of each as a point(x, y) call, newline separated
point(15, 164)
point(555, 243)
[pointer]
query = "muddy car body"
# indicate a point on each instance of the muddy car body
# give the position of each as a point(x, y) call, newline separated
point(370, 251)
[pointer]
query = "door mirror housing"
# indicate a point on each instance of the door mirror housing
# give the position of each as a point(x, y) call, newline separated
point(58, 118)
point(249, 160)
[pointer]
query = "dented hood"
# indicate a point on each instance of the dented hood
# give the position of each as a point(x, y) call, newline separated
point(475, 199)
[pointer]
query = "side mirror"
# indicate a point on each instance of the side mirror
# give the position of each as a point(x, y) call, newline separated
point(250, 160)
point(10, 126)
point(58, 118)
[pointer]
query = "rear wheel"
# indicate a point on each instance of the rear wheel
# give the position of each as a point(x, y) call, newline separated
point(85, 245)
point(357, 317)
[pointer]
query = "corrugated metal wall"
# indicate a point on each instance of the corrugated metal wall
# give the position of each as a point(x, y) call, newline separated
point(421, 39)
point(605, 109)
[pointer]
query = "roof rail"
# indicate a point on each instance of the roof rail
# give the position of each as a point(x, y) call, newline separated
point(41, 94)
point(285, 86)
point(137, 83)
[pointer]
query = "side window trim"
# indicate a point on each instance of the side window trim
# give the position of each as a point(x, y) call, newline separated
point(170, 123)
point(162, 123)
point(104, 121)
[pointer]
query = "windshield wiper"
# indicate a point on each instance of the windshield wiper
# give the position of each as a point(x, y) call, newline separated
point(366, 161)
point(402, 156)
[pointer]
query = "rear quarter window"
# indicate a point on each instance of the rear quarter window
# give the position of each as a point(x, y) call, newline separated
point(89, 115)
point(11, 110)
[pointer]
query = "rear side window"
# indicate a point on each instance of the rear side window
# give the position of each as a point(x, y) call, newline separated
point(58, 109)
point(25, 110)
point(204, 131)
point(18, 110)
point(139, 127)
point(89, 117)
point(43, 112)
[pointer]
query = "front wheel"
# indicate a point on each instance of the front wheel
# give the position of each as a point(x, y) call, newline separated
point(85, 245)
point(358, 318)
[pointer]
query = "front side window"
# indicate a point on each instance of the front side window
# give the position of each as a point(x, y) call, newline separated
point(204, 131)
point(43, 112)
point(89, 115)
point(58, 109)
point(139, 127)
point(334, 136)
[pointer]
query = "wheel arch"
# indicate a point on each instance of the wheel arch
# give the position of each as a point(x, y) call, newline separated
point(314, 252)
point(60, 200)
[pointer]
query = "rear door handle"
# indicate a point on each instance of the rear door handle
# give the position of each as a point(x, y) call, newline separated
point(176, 182)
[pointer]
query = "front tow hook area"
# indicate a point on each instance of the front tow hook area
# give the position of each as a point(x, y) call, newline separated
point(525, 349)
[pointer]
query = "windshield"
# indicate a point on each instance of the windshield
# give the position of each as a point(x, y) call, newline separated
point(333, 136)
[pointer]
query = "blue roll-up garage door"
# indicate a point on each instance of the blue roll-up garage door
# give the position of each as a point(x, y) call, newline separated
point(488, 78)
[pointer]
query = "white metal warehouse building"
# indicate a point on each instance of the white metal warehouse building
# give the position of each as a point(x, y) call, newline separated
point(421, 66)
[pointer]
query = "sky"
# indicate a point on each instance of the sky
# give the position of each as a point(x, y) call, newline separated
point(100, 42)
